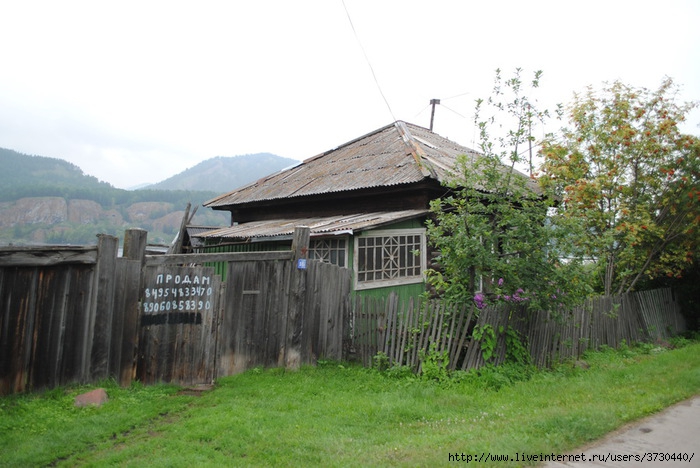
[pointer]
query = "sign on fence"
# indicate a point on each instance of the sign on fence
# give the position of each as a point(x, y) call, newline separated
point(179, 313)
point(175, 295)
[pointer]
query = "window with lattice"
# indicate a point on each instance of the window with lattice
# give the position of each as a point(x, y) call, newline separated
point(390, 257)
point(332, 251)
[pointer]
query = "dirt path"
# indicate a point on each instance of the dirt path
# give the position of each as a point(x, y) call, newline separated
point(675, 430)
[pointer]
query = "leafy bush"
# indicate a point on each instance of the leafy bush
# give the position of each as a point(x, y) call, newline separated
point(434, 364)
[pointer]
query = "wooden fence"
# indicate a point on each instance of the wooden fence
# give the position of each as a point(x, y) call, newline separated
point(403, 331)
point(84, 314)
point(58, 322)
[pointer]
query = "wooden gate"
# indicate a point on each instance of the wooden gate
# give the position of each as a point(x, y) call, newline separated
point(278, 315)
point(180, 310)
point(273, 310)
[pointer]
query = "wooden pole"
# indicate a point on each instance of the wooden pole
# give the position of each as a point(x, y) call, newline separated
point(103, 307)
point(135, 244)
point(297, 295)
point(128, 296)
point(176, 248)
point(433, 102)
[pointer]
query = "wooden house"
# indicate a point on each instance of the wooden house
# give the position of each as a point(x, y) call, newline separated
point(365, 203)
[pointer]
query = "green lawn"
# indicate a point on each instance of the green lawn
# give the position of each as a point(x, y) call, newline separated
point(340, 415)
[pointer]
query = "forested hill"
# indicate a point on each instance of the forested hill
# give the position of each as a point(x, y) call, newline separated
point(223, 174)
point(37, 172)
point(25, 176)
point(49, 200)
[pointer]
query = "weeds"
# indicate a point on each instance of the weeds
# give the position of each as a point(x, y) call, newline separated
point(434, 364)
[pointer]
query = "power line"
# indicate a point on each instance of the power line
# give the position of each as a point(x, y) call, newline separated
point(368, 62)
point(422, 110)
point(456, 96)
point(452, 110)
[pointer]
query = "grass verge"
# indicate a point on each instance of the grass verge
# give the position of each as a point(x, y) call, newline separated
point(337, 415)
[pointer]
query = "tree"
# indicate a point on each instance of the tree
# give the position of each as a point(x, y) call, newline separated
point(628, 176)
point(492, 232)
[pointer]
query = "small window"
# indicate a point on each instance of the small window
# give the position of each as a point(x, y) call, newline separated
point(384, 258)
point(331, 250)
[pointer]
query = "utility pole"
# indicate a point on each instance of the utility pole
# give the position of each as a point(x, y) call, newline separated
point(433, 102)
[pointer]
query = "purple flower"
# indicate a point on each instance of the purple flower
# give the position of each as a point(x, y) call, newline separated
point(479, 300)
point(500, 282)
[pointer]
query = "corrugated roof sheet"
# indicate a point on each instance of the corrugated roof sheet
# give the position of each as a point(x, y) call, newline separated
point(330, 225)
point(400, 153)
point(193, 231)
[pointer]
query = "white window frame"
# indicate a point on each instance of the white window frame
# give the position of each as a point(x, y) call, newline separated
point(397, 280)
point(330, 238)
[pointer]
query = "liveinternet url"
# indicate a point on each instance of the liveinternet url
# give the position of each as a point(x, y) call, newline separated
point(580, 457)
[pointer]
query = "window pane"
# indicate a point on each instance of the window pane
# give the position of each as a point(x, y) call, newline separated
point(328, 250)
point(389, 257)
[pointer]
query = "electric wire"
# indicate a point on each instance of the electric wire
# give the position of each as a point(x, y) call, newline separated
point(422, 110)
point(376, 81)
point(452, 110)
point(456, 96)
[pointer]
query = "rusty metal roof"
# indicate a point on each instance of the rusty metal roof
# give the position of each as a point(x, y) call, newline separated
point(319, 226)
point(400, 153)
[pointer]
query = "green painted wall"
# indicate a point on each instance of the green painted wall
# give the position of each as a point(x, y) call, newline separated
point(404, 291)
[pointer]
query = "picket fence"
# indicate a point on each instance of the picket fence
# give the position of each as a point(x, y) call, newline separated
point(402, 332)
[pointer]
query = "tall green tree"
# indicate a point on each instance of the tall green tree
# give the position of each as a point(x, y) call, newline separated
point(492, 232)
point(628, 177)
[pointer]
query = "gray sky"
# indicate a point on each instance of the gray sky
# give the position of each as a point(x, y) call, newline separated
point(137, 91)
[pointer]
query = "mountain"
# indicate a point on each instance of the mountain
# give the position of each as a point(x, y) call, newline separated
point(24, 175)
point(223, 174)
point(51, 201)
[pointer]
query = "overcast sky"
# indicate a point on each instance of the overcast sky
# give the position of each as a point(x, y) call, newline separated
point(135, 92)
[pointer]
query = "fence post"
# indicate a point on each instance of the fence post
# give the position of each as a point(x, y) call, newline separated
point(297, 291)
point(134, 257)
point(135, 244)
point(102, 307)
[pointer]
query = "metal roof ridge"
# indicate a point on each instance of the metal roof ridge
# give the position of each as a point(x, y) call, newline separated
point(413, 145)
point(348, 143)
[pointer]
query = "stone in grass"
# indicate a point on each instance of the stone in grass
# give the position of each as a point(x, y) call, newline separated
point(96, 397)
point(580, 364)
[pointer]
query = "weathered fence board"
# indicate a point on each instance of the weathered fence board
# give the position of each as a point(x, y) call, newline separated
point(413, 328)
point(47, 256)
point(253, 323)
point(102, 318)
point(327, 305)
point(44, 326)
point(126, 325)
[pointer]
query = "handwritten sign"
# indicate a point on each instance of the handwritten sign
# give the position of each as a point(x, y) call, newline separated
point(176, 295)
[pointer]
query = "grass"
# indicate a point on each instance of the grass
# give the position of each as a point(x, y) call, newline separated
point(340, 415)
